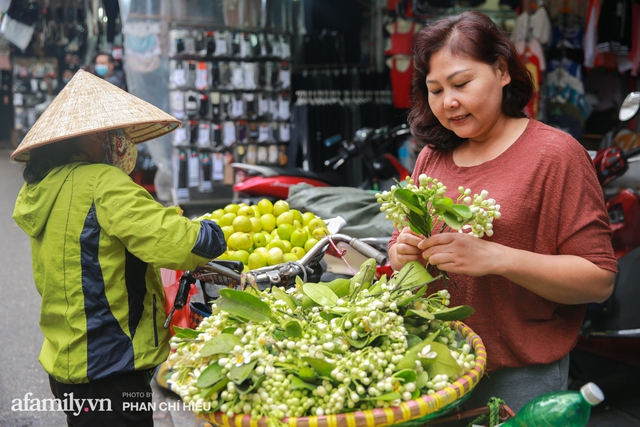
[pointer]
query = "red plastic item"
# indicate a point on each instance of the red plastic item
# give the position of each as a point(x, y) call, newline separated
point(171, 282)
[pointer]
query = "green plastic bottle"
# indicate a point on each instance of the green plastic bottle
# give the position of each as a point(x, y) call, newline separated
point(568, 408)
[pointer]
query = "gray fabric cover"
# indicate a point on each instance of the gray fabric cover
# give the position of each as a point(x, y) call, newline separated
point(358, 207)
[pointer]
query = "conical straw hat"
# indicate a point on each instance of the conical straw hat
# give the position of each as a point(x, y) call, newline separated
point(89, 104)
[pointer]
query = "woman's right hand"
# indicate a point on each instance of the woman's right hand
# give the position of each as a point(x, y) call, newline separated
point(406, 249)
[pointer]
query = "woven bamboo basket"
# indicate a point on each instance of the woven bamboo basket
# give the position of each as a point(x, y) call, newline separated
point(408, 414)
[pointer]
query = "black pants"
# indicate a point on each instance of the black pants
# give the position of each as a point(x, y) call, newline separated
point(123, 400)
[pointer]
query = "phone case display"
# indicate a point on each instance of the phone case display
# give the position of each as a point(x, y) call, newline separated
point(34, 85)
point(231, 89)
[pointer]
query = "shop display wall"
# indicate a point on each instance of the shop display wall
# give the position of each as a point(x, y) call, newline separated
point(231, 90)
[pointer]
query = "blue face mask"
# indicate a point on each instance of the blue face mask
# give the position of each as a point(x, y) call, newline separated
point(101, 69)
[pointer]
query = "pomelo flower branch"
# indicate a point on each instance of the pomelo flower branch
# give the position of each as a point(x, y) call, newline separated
point(424, 207)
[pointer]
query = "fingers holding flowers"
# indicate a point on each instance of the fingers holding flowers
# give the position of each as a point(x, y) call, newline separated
point(407, 246)
point(459, 253)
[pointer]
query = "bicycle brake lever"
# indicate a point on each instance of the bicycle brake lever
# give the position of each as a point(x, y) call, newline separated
point(186, 280)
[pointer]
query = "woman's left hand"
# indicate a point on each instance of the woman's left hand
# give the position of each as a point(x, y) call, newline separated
point(460, 253)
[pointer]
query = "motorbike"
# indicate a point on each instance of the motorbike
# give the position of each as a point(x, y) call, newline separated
point(611, 330)
point(254, 182)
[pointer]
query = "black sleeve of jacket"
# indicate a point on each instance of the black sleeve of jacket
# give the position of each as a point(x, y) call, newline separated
point(210, 243)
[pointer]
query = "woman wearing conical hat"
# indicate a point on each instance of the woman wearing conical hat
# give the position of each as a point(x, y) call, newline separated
point(98, 240)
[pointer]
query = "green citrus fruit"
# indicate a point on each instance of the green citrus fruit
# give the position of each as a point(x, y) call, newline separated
point(299, 237)
point(320, 232)
point(268, 222)
point(285, 218)
point(289, 257)
point(241, 255)
point(279, 207)
point(316, 223)
point(245, 211)
point(298, 252)
point(256, 224)
point(217, 214)
point(274, 256)
point(259, 240)
point(265, 206)
point(242, 223)
point(227, 219)
point(228, 231)
point(306, 217)
point(310, 243)
point(231, 207)
point(256, 260)
point(285, 231)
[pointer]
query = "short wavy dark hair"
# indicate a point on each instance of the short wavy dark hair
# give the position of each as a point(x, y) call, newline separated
point(473, 35)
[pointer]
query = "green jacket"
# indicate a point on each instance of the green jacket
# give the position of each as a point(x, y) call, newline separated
point(97, 242)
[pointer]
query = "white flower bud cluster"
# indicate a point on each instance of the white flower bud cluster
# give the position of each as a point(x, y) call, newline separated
point(429, 190)
point(483, 211)
point(359, 373)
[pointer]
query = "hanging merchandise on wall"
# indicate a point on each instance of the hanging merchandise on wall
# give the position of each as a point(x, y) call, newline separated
point(19, 21)
point(231, 90)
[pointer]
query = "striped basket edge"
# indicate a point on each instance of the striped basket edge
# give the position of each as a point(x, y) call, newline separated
point(380, 417)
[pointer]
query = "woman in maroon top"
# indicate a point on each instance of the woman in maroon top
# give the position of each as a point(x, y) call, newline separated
point(550, 253)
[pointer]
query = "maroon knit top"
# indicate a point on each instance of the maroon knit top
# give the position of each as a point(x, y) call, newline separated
point(551, 203)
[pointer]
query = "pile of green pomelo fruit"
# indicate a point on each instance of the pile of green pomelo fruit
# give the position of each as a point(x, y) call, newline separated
point(267, 233)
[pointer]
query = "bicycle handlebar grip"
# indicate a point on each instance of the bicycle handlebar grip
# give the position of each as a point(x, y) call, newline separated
point(332, 140)
point(368, 251)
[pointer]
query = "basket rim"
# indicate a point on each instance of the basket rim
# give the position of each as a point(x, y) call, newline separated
point(377, 417)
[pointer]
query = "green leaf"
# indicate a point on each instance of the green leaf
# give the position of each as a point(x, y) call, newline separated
point(320, 294)
point(297, 383)
point(244, 305)
point(409, 199)
point(413, 340)
point(455, 216)
point(220, 344)
point(407, 375)
point(411, 274)
point(283, 296)
point(229, 330)
point(444, 363)
point(358, 343)
point(211, 375)
point(387, 397)
point(249, 386)
point(216, 387)
point(339, 286)
point(417, 295)
point(419, 224)
point(238, 374)
point(293, 329)
point(422, 380)
point(289, 368)
point(420, 313)
point(339, 310)
point(321, 366)
point(308, 374)
point(185, 332)
point(454, 313)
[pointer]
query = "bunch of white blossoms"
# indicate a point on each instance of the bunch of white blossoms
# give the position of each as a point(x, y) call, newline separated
point(472, 214)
